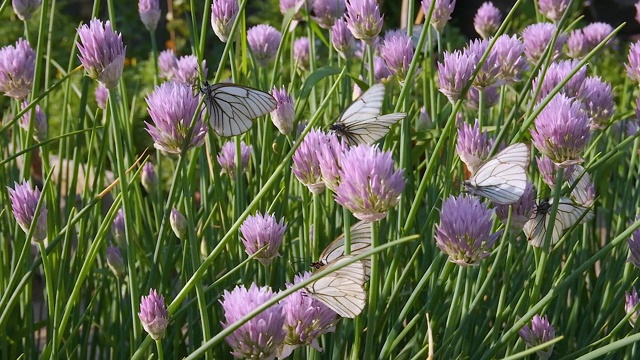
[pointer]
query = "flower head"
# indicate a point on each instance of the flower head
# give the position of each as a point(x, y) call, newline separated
point(17, 67)
point(473, 146)
point(595, 33)
point(561, 131)
point(325, 12)
point(441, 12)
point(634, 247)
point(597, 100)
point(633, 66)
point(102, 94)
point(186, 70)
point(178, 224)
point(577, 46)
point(115, 261)
point(153, 315)
point(306, 164)
point(172, 107)
point(25, 8)
point(301, 49)
point(490, 69)
point(555, 74)
point(454, 72)
point(537, 38)
point(149, 13)
point(380, 70)
point(227, 157)
point(490, 94)
point(286, 5)
point(540, 332)
point(363, 19)
point(264, 41)
point(342, 39)
point(24, 202)
point(549, 171)
point(259, 231)
point(167, 64)
point(630, 302)
point(149, 178)
point(102, 52)
point(464, 231)
point(521, 209)
point(487, 20)
point(284, 113)
point(397, 52)
point(369, 184)
point(509, 52)
point(423, 121)
point(306, 319)
point(553, 9)
point(329, 155)
point(118, 229)
point(223, 15)
point(260, 337)
point(40, 127)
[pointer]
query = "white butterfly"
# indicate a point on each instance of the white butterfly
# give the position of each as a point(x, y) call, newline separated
point(567, 215)
point(360, 243)
point(341, 290)
point(581, 192)
point(233, 107)
point(361, 122)
point(503, 178)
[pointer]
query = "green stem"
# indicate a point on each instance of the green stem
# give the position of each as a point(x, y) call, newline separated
point(373, 293)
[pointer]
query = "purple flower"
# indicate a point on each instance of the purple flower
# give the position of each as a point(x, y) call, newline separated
point(102, 94)
point(490, 94)
point(101, 52)
point(473, 146)
point(25, 8)
point(286, 5)
point(342, 39)
point(577, 46)
point(306, 165)
point(363, 19)
point(464, 231)
point(441, 12)
point(260, 337)
point(397, 52)
point(537, 38)
point(264, 41)
point(595, 33)
point(555, 74)
point(509, 52)
point(633, 67)
point(597, 100)
point(630, 302)
point(186, 70)
point(488, 74)
point(325, 12)
point(549, 170)
point(40, 127)
point(487, 20)
point(284, 113)
point(561, 131)
point(172, 107)
point(380, 70)
point(260, 231)
point(329, 155)
point(540, 332)
point(149, 178)
point(521, 209)
point(149, 13)
point(153, 315)
point(118, 229)
point(553, 9)
point(306, 319)
point(178, 224)
point(634, 247)
point(369, 185)
point(454, 72)
point(17, 67)
point(115, 261)
point(223, 15)
point(301, 49)
point(167, 64)
point(24, 201)
point(227, 158)
point(423, 121)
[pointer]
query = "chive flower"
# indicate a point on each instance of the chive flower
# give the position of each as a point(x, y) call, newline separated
point(115, 262)
point(441, 12)
point(509, 52)
point(223, 15)
point(490, 69)
point(487, 20)
point(178, 224)
point(538, 333)
point(24, 9)
point(167, 64)
point(149, 178)
point(259, 231)
point(301, 53)
point(264, 41)
point(342, 39)
point(577, 46)
point(595, 33)
point(40, 127)
point(325, 12)
point(555, 74)
point(24, 202)
point(454, 72)
point(149, 13)
point(473, 145)
point(284, 113)
point(490, 94)
point(102, 94)
point(17, 68)
point(329, 154)
point(118, 229)
point(553, 9)
point(306, 165)
point(597, 100)
point(102, 52)
point(154, 315)
point(364, 20)
point(187, 69)
point(537, 38)
point(397, 52)
point(549, 170)
point(227, 158)
point(631, 300)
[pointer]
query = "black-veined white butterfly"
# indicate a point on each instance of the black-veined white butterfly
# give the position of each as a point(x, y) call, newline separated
point(233, 107)
point(581, 192)
point(360, 243)
point(503, 178)
point(567, 215)
point(342, 290)
point(361, 122)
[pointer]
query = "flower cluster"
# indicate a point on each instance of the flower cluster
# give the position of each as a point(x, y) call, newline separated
point(538, 333)
point(228, 156)
point(17, 67)
point(24, 202)
point(102, 52)
point(263, 231)
point(223, 15)
point(154, 315)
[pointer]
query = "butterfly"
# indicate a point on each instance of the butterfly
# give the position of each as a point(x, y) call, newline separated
point(341, 290)
point(503, 178)
point(233, 107)
point(361, 122)
point(567, 215)
point(581, 193)
point(360, 243)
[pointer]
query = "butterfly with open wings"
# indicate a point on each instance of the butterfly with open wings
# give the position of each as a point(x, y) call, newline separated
point(567, 215)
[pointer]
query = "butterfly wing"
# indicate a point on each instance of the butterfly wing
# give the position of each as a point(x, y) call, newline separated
point(581, 191)
point(517, 154)
point(567, 215)
point(360, 243)
point(232, 107)
point(342, 290)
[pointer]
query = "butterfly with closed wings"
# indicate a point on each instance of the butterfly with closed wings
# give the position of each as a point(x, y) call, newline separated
point(360, 243)
point(503, 178)
point(567, 215)
point(361, 122)
point(233, 107)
